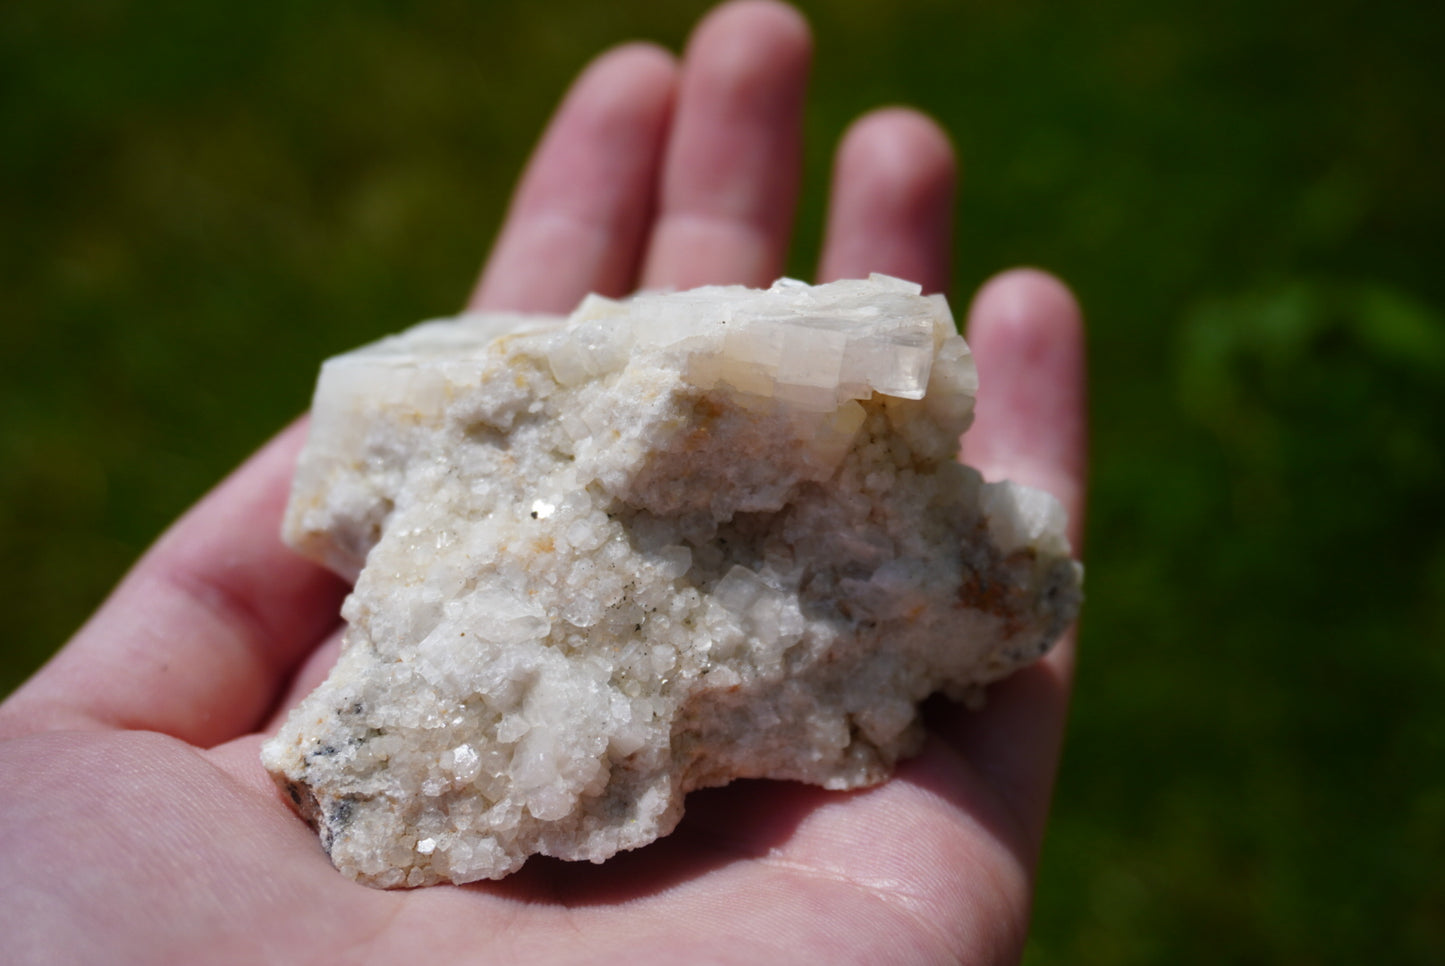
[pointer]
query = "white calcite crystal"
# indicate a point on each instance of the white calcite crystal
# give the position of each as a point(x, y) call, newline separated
point(655, 546)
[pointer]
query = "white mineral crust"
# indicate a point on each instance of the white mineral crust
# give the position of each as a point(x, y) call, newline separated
point(655, 546)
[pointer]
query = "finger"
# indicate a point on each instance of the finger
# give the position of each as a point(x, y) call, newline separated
point(199, 638)
point(892, 204)
point(1027, 336)
point(730, 178)
point(1026, 333)
point(580, 216)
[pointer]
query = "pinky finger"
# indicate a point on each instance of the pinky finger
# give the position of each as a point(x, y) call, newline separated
point(1026, 332)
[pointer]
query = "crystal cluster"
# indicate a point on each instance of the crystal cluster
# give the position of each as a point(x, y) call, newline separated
point(654, 546)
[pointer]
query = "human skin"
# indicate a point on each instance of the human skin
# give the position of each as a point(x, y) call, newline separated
point(137, 825)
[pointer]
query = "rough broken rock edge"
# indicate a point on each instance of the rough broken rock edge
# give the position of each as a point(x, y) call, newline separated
point(655, 546)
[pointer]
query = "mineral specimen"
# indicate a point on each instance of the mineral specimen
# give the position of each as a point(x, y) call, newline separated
point(655, 546)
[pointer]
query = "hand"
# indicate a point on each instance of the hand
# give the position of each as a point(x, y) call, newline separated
point(136, 822)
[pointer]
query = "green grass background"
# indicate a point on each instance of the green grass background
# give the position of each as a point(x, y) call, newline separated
point(200, 201)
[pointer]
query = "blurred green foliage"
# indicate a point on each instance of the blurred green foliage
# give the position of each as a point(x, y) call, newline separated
point(201, 201)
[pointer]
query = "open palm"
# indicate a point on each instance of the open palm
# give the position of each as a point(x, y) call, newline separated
point(136, 824)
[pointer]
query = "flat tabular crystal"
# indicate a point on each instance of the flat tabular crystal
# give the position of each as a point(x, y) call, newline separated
point(655, 546)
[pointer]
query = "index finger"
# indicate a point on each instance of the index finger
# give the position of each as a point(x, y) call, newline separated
point(580, 215)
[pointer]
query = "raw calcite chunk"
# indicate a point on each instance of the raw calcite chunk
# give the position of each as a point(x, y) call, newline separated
point(658, 545)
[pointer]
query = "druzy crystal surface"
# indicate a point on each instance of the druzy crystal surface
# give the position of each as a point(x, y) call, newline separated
point(654, 546)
